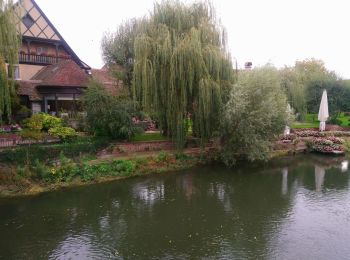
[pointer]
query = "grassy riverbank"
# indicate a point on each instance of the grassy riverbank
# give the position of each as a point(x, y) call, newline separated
point(38, 177)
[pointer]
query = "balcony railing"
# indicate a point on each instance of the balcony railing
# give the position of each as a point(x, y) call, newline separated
point(40, 59)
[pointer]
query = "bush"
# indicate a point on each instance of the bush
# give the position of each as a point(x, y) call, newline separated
point(121, 168)
point(32, 134)
point(64, 133)
point(42, 121)
point(51, 122)
point(162, 157)
point(80, 145)
point(254, 116)
point(108, 115)
point(35, 122)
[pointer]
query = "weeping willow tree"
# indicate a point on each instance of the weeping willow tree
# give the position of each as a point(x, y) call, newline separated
point(295, 91)
point(182, 69)
point(9, 45)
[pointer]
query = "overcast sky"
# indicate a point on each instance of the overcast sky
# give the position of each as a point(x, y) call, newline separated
point(261, 31)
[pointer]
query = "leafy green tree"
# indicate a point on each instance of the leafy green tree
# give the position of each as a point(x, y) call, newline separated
point(254, 115)
point(108, 115)
point(304, 84)
point(182, 68)
point(295, 90)
point(9, 45)
point(118, 49)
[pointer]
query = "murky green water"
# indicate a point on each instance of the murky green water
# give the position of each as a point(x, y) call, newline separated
point(297, 208)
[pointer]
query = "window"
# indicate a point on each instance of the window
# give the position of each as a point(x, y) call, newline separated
point(28, 21)
point(36, 107)
point(41, 50)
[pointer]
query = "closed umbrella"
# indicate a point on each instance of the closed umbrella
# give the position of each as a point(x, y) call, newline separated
point(323, 112)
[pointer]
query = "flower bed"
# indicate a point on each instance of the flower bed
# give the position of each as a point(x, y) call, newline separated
point(10, 128)
point(313, 133)
point(328, 144)
point(288, 138)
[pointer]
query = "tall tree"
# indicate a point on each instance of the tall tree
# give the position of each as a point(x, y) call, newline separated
point(9, 45)
point(118, 49)
point(182, 68)
point(304, 84)
point(254, 116)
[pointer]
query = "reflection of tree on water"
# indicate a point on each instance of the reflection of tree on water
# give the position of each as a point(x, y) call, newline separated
point(284, 180)
point(319, 177)
point(205, 212)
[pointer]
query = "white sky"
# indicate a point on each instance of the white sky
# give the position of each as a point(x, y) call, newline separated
point(261, 31)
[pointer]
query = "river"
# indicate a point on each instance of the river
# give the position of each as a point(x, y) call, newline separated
point(291, 208)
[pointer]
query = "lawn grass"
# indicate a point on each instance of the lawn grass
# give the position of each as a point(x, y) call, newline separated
point(344, 119)
point(311, 121)
point(149, 137)
point(300, 125)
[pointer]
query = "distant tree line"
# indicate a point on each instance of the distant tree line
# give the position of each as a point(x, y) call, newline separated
point(304, 83)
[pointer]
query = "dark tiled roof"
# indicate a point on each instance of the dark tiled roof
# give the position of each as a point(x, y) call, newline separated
point(28, 88)
point(67, 74)
point(64, 73)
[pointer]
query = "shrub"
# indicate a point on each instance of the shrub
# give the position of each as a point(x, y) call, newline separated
point(35, 122)
point(89, 172)
point(32, 134)
point(326, 144)
point(41, 170)
point(42, 121)
point(51, 122)
point(162, 157)
point(64, 133)
point(80, 145)
point(254, 115)
point(108, 115)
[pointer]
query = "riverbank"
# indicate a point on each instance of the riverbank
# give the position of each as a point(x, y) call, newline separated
point(30, 171)
point(39, 178)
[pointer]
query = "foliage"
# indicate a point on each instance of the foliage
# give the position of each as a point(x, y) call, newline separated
point(182, 68)
point(32, 134)
point(118, 49)
point(162, 157)
point(44, 153)
point(108, 115)
point(50, 122)
point(42, 121)
point(326, 144)
point(64, 133)
point(89, 172)
point(254, 116)
point(313, 133)
point(35, 122)
point(295, 91)
point(305, 82)
point(334, 120)
point(9, 42)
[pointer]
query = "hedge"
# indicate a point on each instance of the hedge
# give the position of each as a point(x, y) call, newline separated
point(20, 155)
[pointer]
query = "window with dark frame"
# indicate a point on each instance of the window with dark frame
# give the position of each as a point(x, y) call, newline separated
point(28, 21)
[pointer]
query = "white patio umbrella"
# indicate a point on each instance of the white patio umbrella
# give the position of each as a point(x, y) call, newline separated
point(323, 112)
point(289, 112)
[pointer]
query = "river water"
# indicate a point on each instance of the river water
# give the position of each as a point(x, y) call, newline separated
point(294, 208)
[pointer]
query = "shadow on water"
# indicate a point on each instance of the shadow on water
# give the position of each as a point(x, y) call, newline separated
point(288, 209)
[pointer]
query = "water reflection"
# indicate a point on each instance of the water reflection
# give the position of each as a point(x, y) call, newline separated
point(291, 209)
point(319, 177)
point(344, 166)
point(284, 180)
